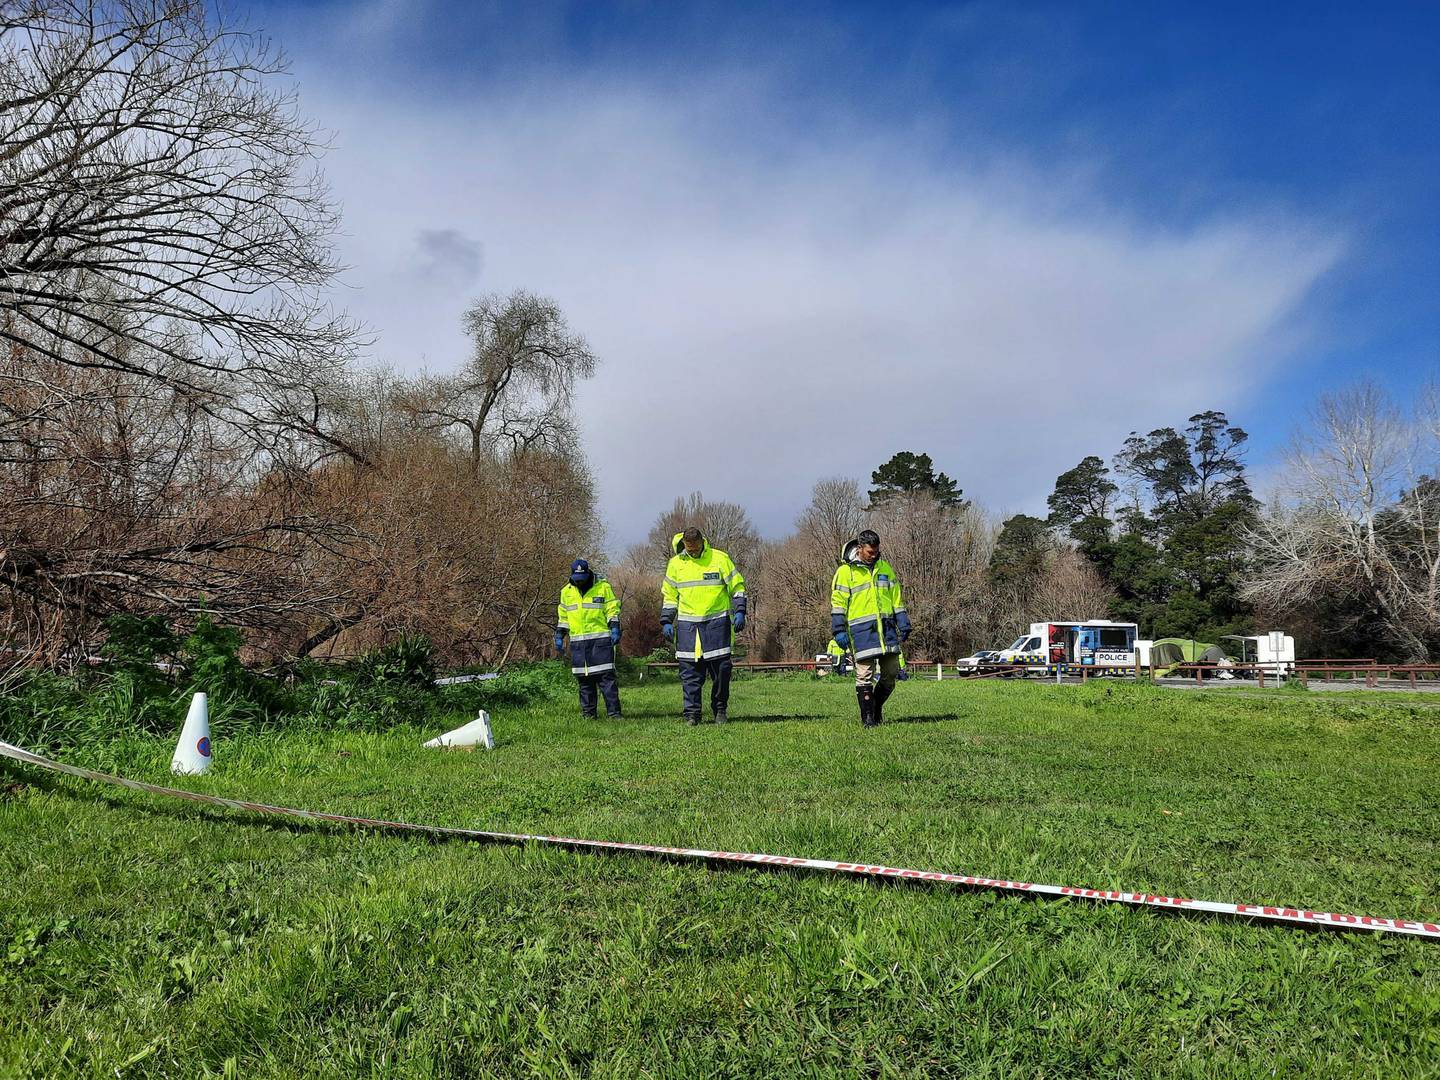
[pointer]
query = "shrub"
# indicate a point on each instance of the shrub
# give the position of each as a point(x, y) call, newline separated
point(410, 661)
point(239, 698)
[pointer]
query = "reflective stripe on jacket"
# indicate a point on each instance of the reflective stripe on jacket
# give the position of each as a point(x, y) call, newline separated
point(587, 618)
point(698, 596)
point(865, 602)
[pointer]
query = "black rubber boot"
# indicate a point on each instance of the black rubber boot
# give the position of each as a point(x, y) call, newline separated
point(882, 693)
point(866, 696)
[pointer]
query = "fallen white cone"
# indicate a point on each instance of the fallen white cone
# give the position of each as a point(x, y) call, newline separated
point(475, 733)
point(192, 752)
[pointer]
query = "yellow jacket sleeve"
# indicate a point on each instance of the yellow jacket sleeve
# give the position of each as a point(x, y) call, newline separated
point(669, 597)
point(735, 585)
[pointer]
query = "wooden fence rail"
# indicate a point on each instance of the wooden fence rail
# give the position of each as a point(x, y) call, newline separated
point(1373, 672)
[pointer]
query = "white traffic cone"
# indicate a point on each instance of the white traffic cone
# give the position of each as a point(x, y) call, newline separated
point(476, 733)
point(192, 752)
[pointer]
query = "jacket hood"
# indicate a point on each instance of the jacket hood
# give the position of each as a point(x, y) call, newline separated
point(850, 554)
point(678, 543)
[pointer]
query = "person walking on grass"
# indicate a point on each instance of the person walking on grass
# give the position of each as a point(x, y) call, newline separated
point(702, 606)
point(589, 612)
point(868, 617)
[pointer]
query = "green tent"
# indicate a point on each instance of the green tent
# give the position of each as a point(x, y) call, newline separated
point(1166, 653)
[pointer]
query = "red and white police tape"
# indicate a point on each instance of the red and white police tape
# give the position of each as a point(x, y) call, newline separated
point(1332, 920)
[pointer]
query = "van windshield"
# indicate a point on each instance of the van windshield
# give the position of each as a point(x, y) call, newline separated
point(1018, 644)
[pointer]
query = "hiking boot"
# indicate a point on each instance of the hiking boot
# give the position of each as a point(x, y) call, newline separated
point(720, 717)
point(692, 720)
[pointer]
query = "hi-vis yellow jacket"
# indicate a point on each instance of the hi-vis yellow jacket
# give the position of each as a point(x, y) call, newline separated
point(865, 602)
point(698, 596)
point(587, 618)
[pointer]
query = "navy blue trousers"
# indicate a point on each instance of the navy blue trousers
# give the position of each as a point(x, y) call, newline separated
point(692, 679)
point(608, 687)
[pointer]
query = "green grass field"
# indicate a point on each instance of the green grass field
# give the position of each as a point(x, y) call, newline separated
point(146, 937)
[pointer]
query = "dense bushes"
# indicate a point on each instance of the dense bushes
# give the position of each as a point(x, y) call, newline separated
point(147, 673)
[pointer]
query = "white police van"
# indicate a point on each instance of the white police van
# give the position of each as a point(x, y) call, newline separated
point(1096, 643)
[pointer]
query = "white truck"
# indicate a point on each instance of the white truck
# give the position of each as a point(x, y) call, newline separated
point(1096, 643)
point(1272, 654)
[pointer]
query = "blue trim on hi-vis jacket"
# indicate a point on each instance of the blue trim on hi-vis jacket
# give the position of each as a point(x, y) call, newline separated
point(890, 633)
point(591, 652)
point(714, 634)
point(871, 636)
point(865, 636)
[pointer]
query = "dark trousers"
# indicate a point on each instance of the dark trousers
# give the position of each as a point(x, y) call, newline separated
point(606, 684)
point(692, 678)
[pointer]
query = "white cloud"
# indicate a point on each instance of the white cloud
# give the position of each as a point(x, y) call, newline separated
point(773, 306)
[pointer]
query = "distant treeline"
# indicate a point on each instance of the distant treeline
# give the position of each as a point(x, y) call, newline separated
point(185, 431)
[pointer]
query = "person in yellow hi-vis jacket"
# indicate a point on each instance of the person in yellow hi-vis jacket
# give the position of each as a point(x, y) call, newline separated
point(702, 605)
point(868, 617)
point(589, 612)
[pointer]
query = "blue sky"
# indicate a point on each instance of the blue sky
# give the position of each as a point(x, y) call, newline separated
point(1005, 234)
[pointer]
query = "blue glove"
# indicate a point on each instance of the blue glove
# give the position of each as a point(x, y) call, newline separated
point(559, 642)
point(739, 621)
point(902, 623)
point(614, 635)
point(668, 631)
point(842, 638)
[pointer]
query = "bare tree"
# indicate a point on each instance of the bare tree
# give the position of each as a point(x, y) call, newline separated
point(164, 246)
point(160, 210)
point(1362, 534)
point(473, 558)
point(834, 516)
point(119, 493)
point(517, 385)
point(726, 525)
point(181, 420)
point(1068, 587)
